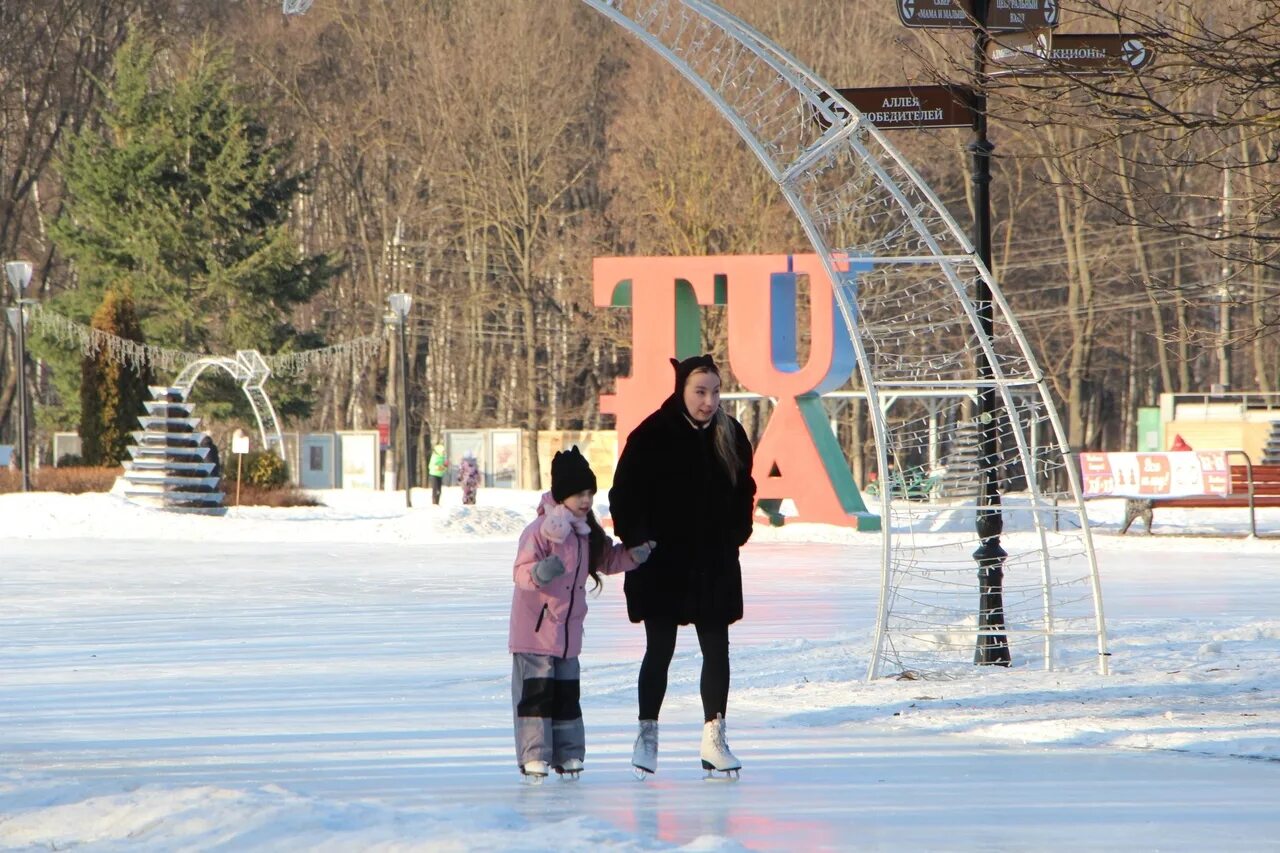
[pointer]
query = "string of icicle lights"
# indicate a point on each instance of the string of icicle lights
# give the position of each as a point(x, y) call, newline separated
point(136, 355)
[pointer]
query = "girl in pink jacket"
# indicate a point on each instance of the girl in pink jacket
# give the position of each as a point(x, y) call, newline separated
point(557, 552)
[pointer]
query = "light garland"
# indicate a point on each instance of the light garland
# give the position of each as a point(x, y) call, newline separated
point(136, 355)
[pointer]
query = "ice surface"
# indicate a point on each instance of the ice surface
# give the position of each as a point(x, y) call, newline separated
point(336, 678)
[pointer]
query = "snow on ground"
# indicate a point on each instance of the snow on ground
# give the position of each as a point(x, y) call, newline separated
point(336, 678)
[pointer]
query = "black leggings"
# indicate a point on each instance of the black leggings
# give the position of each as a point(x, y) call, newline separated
point(660, 639)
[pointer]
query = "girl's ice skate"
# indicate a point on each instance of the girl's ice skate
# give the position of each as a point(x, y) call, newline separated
point(644, 758)
point(534, 772)
point(716, 757)
point(570, 768)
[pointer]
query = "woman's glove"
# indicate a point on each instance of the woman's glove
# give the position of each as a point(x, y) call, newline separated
point(547, 569)
point(641, 552)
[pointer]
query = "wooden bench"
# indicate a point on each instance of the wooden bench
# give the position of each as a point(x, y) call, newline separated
point(917, 485)
point(1252, 486)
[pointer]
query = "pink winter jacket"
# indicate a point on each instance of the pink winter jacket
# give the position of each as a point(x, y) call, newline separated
point(548, 620)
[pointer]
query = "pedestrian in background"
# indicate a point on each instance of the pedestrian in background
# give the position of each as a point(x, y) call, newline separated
point(437, 467)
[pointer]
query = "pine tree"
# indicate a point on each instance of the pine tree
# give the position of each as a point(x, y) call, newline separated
point(111, 394)
point(180, 191)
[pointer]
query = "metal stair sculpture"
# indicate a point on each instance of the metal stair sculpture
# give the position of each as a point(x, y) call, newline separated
point(964, 476)
point(174, 464)
point(1271, 453)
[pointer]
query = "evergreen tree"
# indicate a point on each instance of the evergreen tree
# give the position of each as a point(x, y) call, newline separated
point(180, 191)
point(111, 394)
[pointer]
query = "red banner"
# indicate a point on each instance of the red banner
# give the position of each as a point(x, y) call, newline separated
point(1146, 475)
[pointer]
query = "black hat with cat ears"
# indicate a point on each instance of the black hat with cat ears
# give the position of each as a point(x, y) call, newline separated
point(686, 368)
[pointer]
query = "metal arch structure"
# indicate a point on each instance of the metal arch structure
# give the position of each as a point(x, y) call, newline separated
point(251, 371)
point(915, 324)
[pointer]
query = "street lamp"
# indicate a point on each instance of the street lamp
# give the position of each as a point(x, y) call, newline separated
point(992, 645)
point(400, 305)
point(19, 274)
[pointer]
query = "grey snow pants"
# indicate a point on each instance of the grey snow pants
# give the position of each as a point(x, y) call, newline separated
point(548, 717)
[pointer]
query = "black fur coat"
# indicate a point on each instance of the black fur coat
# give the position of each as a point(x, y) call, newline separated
point(671, 488)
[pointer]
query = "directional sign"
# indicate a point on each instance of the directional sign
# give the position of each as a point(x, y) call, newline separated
point(1100, 54)
point(913, 107)
point(1016, 53)
point(935, 14)
point(1022, 14)
point(1002, 15)
point(1026, 54)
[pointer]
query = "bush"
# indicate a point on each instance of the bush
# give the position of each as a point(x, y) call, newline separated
point(72, 481)
point(79, 480)
point(251, 495)
point(269, 472)
point(261, 468)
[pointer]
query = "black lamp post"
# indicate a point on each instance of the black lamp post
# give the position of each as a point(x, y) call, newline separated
point(19, 274)
point(993, 645)
point(401, 303)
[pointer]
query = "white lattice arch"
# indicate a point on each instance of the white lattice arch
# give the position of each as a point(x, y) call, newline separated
point(915, 327)
point(251, 371)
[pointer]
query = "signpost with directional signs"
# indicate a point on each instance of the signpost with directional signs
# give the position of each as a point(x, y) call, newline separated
point(1012, 37)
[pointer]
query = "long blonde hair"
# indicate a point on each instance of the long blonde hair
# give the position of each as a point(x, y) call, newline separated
point(726, 437)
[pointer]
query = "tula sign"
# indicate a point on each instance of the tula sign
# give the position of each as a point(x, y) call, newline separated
point(798, 456)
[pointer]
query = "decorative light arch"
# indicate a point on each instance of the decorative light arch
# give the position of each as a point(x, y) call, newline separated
point(251, 371)
point(915, 325)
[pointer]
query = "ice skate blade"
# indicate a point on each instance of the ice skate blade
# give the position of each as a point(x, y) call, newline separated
point(570, 775)
point(532, 778)
point(728, 774)
point(640, 772)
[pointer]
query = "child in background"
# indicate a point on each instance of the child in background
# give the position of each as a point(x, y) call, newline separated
point(557, 552)
point(468, 477)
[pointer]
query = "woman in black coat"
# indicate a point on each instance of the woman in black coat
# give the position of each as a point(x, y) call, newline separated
point(684, 482)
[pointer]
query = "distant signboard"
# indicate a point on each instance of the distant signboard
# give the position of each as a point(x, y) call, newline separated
point(1148, 475)
point(384, 426)
point(902, 107)
point(1002, 15)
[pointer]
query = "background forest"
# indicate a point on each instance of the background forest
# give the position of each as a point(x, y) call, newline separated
point(479, 153)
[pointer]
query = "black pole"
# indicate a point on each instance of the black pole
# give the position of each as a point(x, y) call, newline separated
point(24, 434)
point(992, 645)
point(404, 409)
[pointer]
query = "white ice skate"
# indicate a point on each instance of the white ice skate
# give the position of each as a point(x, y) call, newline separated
point(534, 772)
point(570, 769)
point(644, 758)
point(716, 757)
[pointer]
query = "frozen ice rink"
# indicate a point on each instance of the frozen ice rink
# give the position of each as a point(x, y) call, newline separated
point(337, 679)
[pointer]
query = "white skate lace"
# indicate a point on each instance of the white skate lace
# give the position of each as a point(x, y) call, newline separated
point(718, 738)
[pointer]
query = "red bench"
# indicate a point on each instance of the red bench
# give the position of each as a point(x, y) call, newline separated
point(1252, 486)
